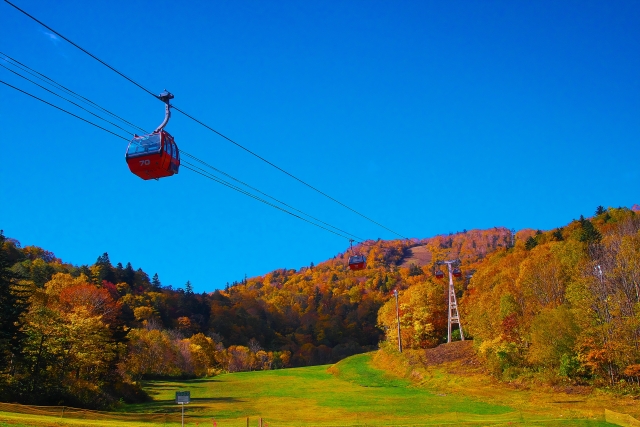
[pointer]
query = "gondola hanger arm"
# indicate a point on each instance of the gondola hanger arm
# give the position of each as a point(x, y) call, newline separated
point(165, 97)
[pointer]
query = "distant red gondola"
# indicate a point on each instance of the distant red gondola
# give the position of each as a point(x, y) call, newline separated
point(456, 272)
point(439, 274)
point(357, 262)
point(155, 155)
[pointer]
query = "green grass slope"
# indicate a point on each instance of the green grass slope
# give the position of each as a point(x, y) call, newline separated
point(351, 392)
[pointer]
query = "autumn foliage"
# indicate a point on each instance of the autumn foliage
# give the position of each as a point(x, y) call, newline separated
point(567, 305)
point(563, 302)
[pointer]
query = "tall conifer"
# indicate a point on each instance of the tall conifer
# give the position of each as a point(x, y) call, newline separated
point(12, 305)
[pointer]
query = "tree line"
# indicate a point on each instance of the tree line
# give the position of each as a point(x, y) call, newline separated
point(88, 335)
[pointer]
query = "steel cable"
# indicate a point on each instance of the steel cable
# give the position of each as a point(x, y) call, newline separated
point(204, 124)
point(204, 173)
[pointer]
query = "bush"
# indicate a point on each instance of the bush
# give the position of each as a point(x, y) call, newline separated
point(569, 366)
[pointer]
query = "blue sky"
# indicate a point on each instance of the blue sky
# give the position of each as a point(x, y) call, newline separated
point(429, 117)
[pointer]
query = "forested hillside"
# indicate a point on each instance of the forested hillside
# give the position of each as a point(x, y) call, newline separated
point(563, 301)
point(84, 335)
point(563, 305)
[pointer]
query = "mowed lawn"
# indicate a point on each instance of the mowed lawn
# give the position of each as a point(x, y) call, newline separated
point(352, 392)
point(349, 393)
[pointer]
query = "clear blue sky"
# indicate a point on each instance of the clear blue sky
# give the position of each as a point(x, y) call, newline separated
point(430, 117)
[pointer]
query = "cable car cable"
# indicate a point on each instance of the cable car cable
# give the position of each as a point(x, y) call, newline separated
point(212, 177)
point(60, 96)
point(52, 82)
point(87, 52)
point(265, 194)
point(205, 125)
point(62, 109)
point(203, 173)
point(285, 172)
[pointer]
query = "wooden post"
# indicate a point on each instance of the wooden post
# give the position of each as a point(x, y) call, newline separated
point(260, 421)
point(247, 421)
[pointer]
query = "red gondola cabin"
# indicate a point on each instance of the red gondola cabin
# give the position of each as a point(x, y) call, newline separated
point(439, 274)
point(153, 156)
point(357, 262)
point(456, 272)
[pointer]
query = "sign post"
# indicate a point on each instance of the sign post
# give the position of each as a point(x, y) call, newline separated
point(182, 398)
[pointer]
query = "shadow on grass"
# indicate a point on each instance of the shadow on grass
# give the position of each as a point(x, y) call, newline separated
point(173, 383)
point(170, 405)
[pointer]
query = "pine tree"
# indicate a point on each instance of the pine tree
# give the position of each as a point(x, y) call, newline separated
point(142, 282)
point(589, 233)
point(12, 306)
point(414, 270)
point(83, 269)
point(155, 282)
point(530, 243)
point(119, 273)
point(103, 260)
point(600, 210)
point(129, 274)
point(106, 271)
point(557, 235)
point(188, 289)
point(317, 296)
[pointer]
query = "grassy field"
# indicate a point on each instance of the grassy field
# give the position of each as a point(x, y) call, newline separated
point(352, 392)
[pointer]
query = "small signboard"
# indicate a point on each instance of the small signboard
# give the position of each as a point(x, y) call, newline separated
point(183, 397)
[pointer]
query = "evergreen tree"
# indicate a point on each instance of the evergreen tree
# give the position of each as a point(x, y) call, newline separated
point(414, 270)
point(589, 233)
point(103, 260)
point(600, 210)
point(155, 282)
point(142, 282)
point(557, 235)
point(188, 289)
point(12, 306)
point(83, 269)
point(119, 273)
point(530, 243)
point(317, 296)
point(106, 271)
point(129, 275)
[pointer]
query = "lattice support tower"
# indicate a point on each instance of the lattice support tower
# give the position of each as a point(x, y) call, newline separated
point(454, 315)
